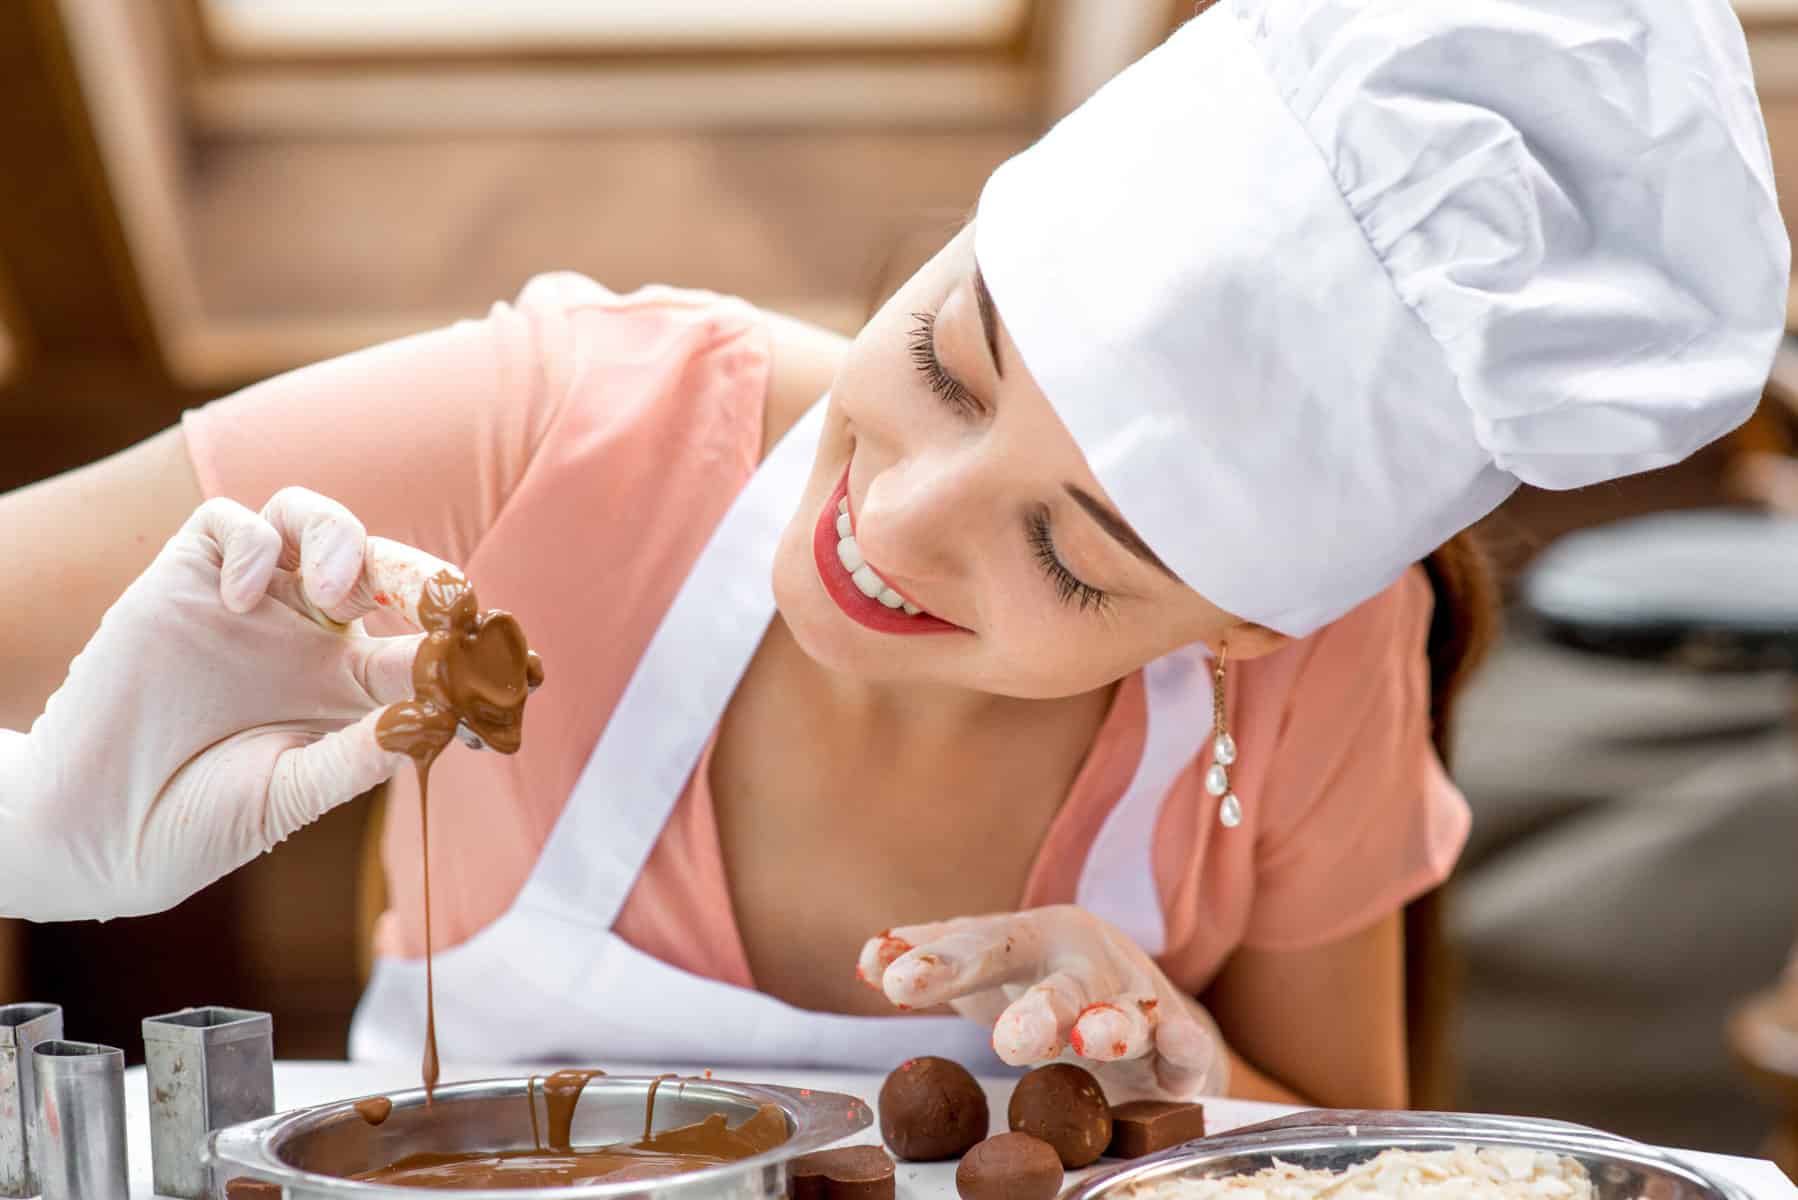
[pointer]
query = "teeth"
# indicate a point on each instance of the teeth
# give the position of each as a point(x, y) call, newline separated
point(870, 583)
point(850, 555)
point(866, 579)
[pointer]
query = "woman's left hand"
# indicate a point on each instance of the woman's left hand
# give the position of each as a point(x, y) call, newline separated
point(1054, 980)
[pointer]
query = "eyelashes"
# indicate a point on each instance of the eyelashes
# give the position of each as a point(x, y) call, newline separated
point(923, 356)
point(1070, 589)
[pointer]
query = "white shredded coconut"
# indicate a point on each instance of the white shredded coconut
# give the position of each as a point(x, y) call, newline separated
point(1463, 1173)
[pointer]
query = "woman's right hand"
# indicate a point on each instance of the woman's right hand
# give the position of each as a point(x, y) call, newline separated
point(1058, 983)
point(229, 698)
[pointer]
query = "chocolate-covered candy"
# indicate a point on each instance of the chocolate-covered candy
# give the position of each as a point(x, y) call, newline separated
point(1011, 1166)
point(245, 1187)
point(1064, 1106)
point(845, 1173)
point(931, 1109)
point(1145, 1126)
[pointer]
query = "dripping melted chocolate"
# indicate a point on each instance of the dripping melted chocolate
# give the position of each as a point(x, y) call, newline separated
point(561, 1092)
point(375, 1110)
point(649, 1105)
point(475, 669)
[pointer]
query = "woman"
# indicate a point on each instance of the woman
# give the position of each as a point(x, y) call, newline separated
point(1088, 596)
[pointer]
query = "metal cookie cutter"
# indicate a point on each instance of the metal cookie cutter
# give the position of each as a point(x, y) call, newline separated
point(206, 1068)
point(22, 1027)
point(81, 1121)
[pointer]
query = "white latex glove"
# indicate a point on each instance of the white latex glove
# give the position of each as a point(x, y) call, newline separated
point(208, 719)
point(1058, 983)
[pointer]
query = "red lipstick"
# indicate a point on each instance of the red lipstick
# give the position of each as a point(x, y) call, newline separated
point(863, 609)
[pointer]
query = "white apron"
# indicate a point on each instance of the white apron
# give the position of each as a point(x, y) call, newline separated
point(549, 980)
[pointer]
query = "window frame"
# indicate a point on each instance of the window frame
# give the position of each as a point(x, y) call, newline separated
point(213, 52)
point(562, 89)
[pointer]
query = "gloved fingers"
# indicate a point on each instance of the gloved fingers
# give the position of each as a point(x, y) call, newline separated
point(247, 550)
point(886, 947)
point(1120, 1027)
point(1189, 1056)
point(878, 953)
point(288, 589)
point(310, 780)
point(323, 542)
point(383, 665)
point(962, 957)
point(983, 1008)
point(1037, 1024)
point(394, 577)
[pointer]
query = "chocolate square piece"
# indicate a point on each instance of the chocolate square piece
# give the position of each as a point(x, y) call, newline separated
point(846, 1173)
point(1145, 1126)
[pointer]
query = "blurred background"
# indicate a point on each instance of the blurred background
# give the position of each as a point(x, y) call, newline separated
point(199, 193)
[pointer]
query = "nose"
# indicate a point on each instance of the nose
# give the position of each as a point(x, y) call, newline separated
point(920, 515)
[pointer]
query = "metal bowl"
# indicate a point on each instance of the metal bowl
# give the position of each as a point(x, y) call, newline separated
point(308, 1153)
point(1332, 1141)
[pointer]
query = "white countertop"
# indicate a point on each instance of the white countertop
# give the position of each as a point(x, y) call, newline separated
point(301, 1084)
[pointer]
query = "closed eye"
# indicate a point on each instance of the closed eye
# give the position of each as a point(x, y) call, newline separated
point(1069, 588)
point(947, 387)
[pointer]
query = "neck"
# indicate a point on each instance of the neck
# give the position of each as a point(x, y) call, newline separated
point(908, 719)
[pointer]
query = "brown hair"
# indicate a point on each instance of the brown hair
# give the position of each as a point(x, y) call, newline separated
point(1464, 627)
point(1462, 630)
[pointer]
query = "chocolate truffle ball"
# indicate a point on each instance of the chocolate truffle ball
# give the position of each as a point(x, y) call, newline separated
point(930, 1109)
point(1011, 1166)
point(1065, 1106)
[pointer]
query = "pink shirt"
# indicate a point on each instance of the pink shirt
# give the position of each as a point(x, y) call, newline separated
point(575, 449)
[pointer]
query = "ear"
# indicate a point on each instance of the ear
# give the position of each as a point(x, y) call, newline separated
point(1249, 640)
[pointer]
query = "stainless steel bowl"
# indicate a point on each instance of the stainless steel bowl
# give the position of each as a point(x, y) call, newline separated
point(1333, 1141)
point(308, 1152)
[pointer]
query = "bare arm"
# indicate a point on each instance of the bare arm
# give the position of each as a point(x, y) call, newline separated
point(1324, 1026)
point(69, 545)
point(803, 361)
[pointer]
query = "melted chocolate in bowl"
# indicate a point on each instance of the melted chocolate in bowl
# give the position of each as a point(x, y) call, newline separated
point(531, 1169)
point(474, 668)
point(671, 1152)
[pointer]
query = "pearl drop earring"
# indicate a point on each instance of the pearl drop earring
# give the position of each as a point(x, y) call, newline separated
point(1223, 748)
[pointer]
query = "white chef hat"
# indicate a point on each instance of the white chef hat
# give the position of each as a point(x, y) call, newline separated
point(1317, 282)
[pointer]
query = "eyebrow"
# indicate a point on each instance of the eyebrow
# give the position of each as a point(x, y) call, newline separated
point(989, 319)
point(1113, 524)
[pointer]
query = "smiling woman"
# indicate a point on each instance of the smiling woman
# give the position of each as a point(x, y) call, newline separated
point(1154, 449)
